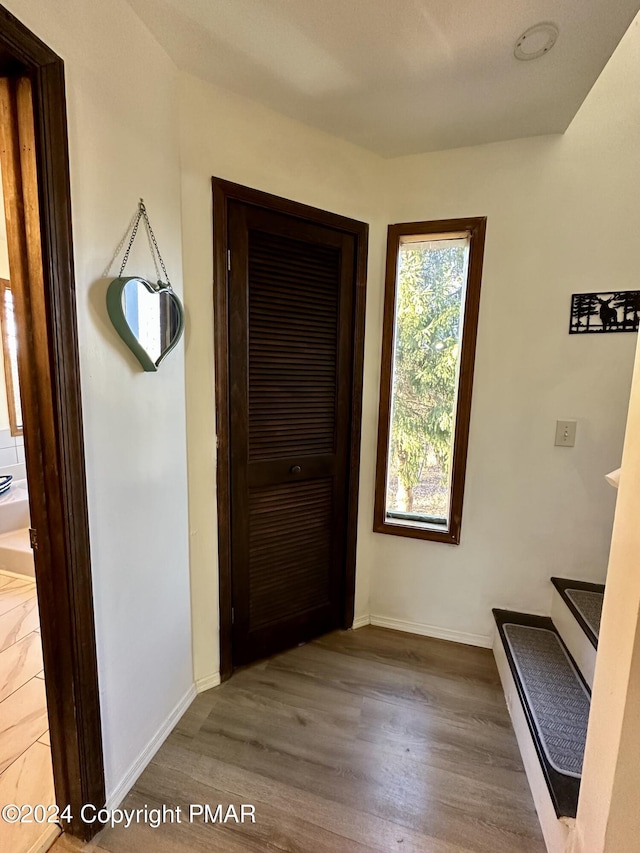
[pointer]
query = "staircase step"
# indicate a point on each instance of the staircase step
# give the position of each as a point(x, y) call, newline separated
point(584, 600)
point(555, 700)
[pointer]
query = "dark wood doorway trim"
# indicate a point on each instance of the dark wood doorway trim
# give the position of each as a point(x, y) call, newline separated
point(54, 443)
point(223, 193)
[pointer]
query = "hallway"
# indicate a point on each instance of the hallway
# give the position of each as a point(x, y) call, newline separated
point(360, 740)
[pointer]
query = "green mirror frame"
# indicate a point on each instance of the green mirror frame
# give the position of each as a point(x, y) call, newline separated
point(119, 320)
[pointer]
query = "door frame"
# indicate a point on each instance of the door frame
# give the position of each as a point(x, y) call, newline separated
point(54, 444)
point(224, 192)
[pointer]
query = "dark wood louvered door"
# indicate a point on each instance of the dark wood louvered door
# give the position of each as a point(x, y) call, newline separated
point(291, 310)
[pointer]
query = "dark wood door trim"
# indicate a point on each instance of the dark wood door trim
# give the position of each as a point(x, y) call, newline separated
point(225, 192)
point(55, 446)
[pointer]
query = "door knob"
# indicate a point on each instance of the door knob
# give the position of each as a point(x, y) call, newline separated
point(295, 469)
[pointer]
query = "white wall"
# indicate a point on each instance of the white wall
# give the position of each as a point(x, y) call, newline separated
point(563, 217)
point(123, 115)
point(233, 138)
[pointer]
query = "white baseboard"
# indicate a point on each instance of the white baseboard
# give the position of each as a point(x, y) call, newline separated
point(432, 631)
point(208, 682)
point(135, 771)
point(361, 622)
point(556, 832)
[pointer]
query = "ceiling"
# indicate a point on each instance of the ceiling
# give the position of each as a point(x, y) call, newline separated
point(397, 76)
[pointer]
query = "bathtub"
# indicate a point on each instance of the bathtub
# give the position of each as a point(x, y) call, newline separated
point(16, 555)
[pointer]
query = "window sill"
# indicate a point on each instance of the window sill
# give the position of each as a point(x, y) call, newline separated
point(413, 531)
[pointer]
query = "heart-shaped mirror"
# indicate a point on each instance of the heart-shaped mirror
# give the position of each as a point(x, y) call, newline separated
point(148, 318)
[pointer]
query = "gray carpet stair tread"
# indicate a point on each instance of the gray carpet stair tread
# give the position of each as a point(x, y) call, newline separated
point(557, 697)
point(586, 609)
point(589, 604)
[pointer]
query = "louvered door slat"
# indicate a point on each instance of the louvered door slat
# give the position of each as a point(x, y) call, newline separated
point(293, 292)
point(288, 575)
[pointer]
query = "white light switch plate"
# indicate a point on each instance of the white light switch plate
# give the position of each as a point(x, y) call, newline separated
point(565, 433)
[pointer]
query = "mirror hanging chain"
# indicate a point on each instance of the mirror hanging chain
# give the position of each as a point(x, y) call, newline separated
point(153, 246)
point(149, 347)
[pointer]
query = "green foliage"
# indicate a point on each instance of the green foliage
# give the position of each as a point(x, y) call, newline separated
point(426, 353)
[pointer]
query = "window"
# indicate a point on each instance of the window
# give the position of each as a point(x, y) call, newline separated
point(9, 334)
point(432, 298)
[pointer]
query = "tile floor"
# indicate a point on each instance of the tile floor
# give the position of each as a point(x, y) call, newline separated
point(26, 776)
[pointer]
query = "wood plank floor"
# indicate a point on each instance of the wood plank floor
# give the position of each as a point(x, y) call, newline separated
point(26, 774)
point(367, 740)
